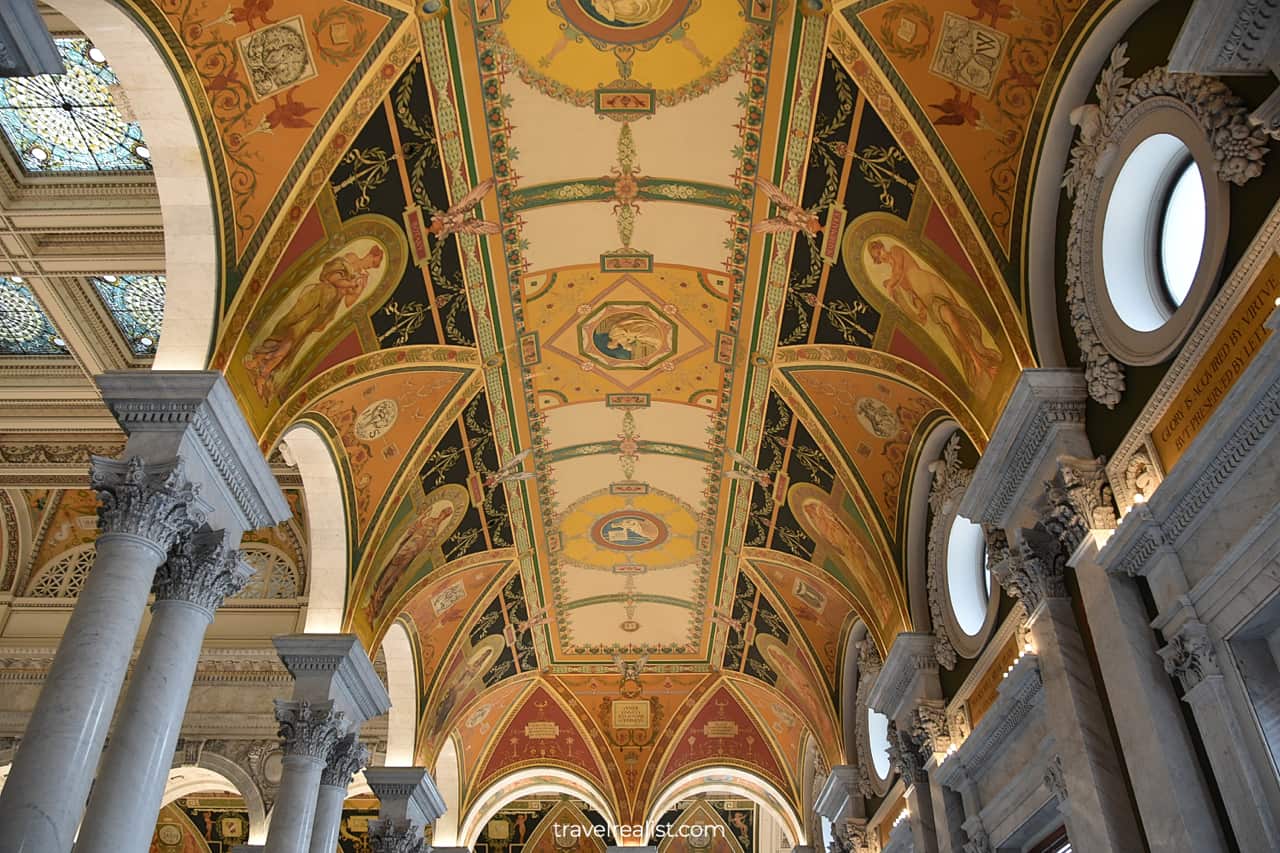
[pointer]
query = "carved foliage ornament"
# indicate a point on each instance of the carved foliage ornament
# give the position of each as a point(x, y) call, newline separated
point(869, 665)
point(1238, 149)
point(1032, 571)
point(396, 836)
point(347, 757)
point(948, 487)
point(203, 569)
point(1055, 779)
point(309, 729)
point(1189, 656)
point(904, 755)
point(157, 504)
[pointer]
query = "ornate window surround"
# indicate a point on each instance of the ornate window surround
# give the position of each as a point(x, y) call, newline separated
point(1213, 124)
point(950, 481)
point(868, 778)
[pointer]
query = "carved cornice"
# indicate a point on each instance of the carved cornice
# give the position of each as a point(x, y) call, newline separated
point(1044, 402)
point(334, 666)
point(1020, 695)
point(910, 655)
point(1226, 37)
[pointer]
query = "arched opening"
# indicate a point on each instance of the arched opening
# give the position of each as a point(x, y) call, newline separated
point(734, 782)
point(448, 778)
point(326, 528)
point(192, 265)
point(402, 685)
point(215, 774)
point(530, 783)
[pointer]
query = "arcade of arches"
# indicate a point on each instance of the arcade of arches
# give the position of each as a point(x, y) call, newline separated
point(705, 425)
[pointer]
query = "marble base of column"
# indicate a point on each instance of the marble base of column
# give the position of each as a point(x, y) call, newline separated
point(126, 799)
point(44, 797)
point(309, 731)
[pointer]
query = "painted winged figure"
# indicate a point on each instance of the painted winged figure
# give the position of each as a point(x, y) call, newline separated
point(793, 217)
point(457, 219)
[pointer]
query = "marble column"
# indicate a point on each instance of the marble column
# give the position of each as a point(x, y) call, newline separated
point(1033, 571)
point(309, 731)
point(335, 691)
point(407, 802)
point(347, 757)
point(200, 573)
point(1170, 788)
point(1190, 658)
point(187, 436)
point(144, 509)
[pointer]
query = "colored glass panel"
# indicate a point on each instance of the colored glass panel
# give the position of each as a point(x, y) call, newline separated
point(136, 303)
point(70, 122)
point(24, 327)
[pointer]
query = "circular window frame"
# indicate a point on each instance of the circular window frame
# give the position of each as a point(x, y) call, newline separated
point(862, 733)
point(950, 481)
point(1154, 117)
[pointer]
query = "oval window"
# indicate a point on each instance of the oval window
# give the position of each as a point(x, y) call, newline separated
point(878, 740)
point(968, 581)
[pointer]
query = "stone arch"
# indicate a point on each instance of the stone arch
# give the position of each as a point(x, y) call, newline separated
point(528, 783)
point(736, 782)
point(213, 772)
point(1052, 160)
point(448, 779)
point(917, 545)
point(192, 262)
point(326, 527)
point(402, 685)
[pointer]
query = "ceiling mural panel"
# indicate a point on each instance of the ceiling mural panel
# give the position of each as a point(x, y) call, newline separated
point(972, 73)
point(722, 732)
point(548, 825)
point(624, 322)
point(540, 733)
point(274, 78)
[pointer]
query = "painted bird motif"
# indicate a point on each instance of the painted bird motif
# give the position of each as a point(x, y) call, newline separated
point(510, 472)
point(793, 217)
point(749, 471)
point(456, 220)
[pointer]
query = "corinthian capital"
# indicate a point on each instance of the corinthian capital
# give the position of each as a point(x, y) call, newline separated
point(347, 757)
point(930, 726)
point(1189, 656)
point(396, 836)
point(203, 569)
point(309, 729)
point(153, 502)
point(1033, 570)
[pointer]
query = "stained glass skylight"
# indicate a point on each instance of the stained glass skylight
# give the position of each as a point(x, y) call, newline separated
point(24, 327)
point(136, 302)
point(70, 122)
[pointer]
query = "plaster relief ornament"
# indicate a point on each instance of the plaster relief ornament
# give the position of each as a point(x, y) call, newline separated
point(1238, 150)
point(950, 481)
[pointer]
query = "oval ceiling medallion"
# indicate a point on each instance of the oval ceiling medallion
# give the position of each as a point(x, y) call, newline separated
point(629, 530)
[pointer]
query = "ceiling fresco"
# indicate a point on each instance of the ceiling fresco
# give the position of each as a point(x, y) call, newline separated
point(625, 322)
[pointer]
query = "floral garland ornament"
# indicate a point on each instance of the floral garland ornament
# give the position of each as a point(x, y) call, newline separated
point(950, 481)
point(1238, 147)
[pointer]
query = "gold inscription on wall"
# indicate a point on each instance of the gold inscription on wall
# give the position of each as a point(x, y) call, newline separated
point(542, 730)
point(720, 729)
point(631, 713)
point(1220, 367)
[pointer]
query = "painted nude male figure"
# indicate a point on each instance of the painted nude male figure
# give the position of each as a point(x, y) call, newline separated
point(340, 282)
point(930, 301)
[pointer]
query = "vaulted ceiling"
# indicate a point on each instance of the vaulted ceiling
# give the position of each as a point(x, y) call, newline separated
point(626, 323)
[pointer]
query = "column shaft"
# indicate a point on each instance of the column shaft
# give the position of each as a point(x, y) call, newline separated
point(295, 809)
point(924, 838)
point(1097, 819)
point(1171, 791)
point(44, 797)
point(126, 800)
point(324, 832)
